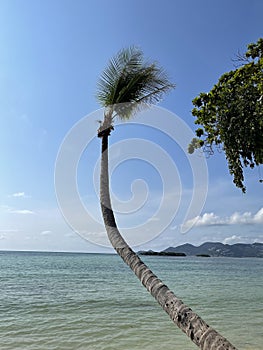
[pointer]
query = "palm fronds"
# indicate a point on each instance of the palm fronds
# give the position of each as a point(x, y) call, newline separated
point(129, 80)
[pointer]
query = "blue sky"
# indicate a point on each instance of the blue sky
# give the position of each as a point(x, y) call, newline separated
point(52, 53)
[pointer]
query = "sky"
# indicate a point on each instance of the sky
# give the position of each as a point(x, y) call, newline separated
point(52, 54)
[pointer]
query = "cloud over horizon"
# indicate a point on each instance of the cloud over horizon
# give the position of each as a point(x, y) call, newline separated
point(211, 219)
point(242, 239)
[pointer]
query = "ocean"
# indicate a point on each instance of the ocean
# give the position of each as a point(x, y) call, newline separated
point(94, 302)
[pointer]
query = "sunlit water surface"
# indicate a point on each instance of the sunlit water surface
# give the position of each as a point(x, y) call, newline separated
point(93, 301)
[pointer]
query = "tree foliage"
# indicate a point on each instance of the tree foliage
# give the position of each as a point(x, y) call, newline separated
point(230, 116)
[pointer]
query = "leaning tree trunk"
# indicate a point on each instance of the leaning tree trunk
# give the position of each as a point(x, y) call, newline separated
point(189, 322)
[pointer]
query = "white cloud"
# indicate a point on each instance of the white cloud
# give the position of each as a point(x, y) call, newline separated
point(233, 239)
point(207, 219)
point(21, 211)
point(154, 219)
point(45, 232)
point(18, 194)
point(246, 218)
point(210, 219)
point(241, 239)
point(10, 210)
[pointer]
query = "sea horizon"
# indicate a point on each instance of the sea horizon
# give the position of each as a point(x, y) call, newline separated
point(137, 251)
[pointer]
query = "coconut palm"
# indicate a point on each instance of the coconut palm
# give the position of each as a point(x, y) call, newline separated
point(127, 85)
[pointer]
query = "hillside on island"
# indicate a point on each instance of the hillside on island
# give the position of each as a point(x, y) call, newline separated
point(213, 249)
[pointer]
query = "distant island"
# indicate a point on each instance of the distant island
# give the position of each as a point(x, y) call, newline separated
point(212, 249)
point(163, 253)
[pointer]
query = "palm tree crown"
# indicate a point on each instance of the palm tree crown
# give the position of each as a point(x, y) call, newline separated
point(128, 83)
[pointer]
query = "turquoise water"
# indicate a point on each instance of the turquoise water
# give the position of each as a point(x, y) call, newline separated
point(93, 301)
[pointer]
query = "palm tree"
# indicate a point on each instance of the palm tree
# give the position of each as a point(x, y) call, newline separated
point(128, 84)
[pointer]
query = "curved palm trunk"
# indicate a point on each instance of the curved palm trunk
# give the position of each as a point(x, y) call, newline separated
point(200, 333)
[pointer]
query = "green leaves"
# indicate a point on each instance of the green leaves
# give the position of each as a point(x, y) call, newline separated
point(231, 115)
point(130, 80)
point(255, 50)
